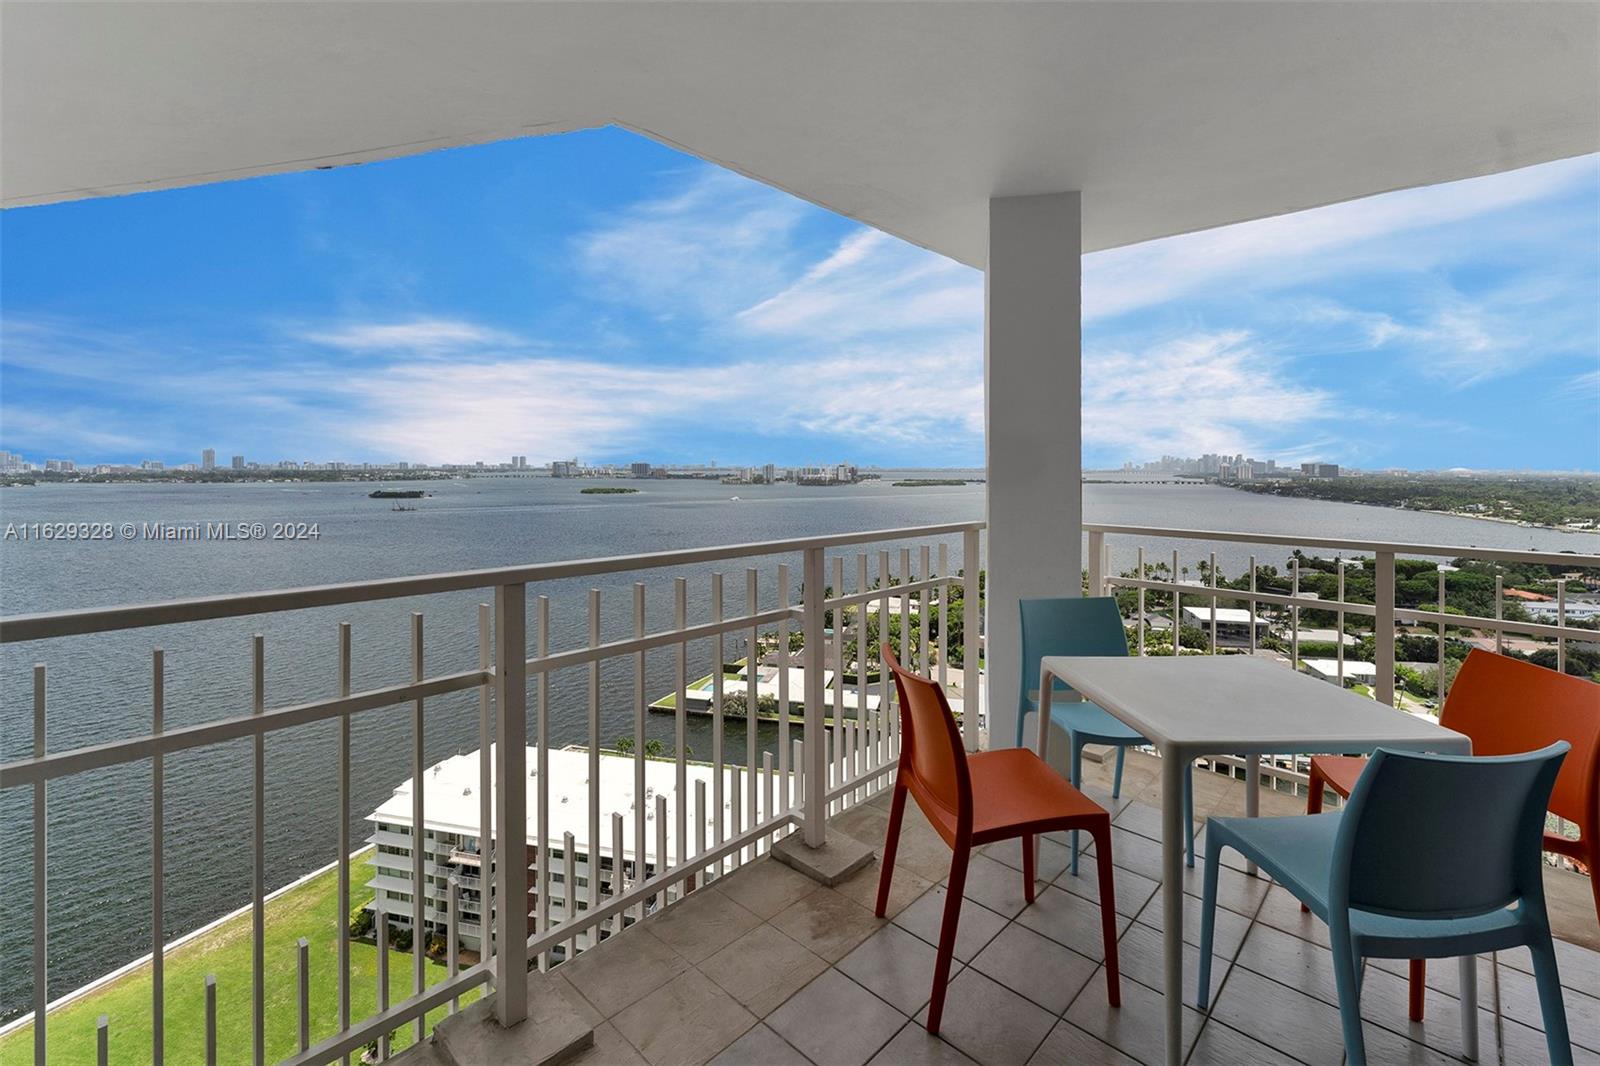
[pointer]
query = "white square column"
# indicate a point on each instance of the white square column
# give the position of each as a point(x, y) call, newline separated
point(1032, 428)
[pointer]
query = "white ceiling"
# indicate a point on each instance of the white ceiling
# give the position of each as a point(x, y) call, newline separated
point(1170, 117)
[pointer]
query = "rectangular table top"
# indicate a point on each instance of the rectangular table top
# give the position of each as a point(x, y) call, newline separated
point(1234, 704)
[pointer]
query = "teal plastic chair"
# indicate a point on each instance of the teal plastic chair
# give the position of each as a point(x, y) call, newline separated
point(1087, 625)
point(1433, 856)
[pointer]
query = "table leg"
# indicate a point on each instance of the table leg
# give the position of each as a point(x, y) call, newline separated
point(1469, 1007)
point(1252, 796)
point(1046, 683)
point(1172, 841)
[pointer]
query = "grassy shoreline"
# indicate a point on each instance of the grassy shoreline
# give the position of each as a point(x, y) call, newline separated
point(310, 910)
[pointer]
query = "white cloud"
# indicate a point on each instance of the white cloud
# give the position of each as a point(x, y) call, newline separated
point(1208, 392)
point(1317, 243)
point(421, 335)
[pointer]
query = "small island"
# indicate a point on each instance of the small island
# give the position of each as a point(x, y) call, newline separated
point(607, 490)
point(395, 494)
point(929, 482)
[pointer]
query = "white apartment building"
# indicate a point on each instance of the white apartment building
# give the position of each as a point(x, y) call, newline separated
point(451, 805)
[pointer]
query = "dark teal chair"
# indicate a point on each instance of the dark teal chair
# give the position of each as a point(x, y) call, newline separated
point(1433, 856)
point(1081, 625)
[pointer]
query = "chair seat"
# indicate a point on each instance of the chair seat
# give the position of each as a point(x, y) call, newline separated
point(1015, 792)
point(1297, 852)
point(1090, 722)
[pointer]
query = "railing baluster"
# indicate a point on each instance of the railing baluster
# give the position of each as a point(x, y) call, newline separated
point(766, 792)
point(1338, 623)
point(663, 861)
point(1561, 620)
point(452, 928)
point(1142, 576)
point(258, 874)
point(883, 642)
point(569, 874)
point(158, 877)
point(735, 813)
point(1439, 687)
point(752, 699)
point(840, 632)
point(303, 972)
point(485, 788)
point(419, 832)
point(944, 614)
point(518, 845)
point(718, 792)
point(1096, 560)
point(1383, 624)
point(922, 615)
point(342, 919)
point(1251, 602)
point(971, 619)
point(1294, 612)
point(816, 774)
point(619, 869)
point(863, 612)
point(511, 800)
point(783, 687)
point(906, 653)
point(1215, 605)
point(699, 876)
point(383, 976)
point(102, 1039)
point(594, 756)
point(1499, 612)
point(1177, 609)
point(639, 786)
point(680, 618)
point(210, 1020)
point(797, 760)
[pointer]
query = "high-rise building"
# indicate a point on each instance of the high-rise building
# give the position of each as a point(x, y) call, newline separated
point(208, 459)
point(639, 469)
point(1319, 469)
point(238, 462)
point(769, 473)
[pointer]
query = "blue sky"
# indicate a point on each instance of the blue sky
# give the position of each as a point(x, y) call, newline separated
point(601, 296)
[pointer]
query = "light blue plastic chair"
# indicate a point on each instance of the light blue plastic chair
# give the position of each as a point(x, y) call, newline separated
point(1433, 856)
point(1082, 626)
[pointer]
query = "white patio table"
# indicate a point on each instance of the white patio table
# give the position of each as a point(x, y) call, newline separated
point(1197, 706)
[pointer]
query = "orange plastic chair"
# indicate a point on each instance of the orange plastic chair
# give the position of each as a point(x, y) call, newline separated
point(977, 799)
point(1508, 706)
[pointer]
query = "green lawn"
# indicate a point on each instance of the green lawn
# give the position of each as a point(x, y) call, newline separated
point(310, 911)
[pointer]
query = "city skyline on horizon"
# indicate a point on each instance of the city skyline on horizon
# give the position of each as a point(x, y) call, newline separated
point(600, 294)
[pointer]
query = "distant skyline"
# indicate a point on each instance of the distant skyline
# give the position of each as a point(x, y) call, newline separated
point(599, 295)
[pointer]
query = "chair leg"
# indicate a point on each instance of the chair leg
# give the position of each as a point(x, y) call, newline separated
point(1347, 979)
point(1027, 867)
point(1022, 724)
point(891, 840)
point(1554, 1011)
point(1075, 775)
point(1419, 987)
point(1108, 909)
point(1116, 778)
point(947, 935)
point(1188, 809)
point(1208, 919)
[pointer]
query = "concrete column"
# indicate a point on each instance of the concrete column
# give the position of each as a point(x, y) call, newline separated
point(1032, 420)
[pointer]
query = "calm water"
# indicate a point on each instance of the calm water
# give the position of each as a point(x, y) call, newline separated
point(99, 685)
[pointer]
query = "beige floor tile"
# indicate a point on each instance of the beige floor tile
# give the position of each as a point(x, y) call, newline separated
point(610, 1048)
point(915, 1046)
point(997, 886)
point(685, 1022)
point(827, 923)
point(990, 1023)
point(1070, 920)
point(1141, 957)
point(1220, 1046)
point(1036, 967)
point(1052, 856)
point(1069, 1044)
point(765, 887)
point(1135, 1028)
point(1280, 1016)
point(701, 925)
point(975, 928)
point(1230, 931)
point(904, 888)
point(895, 966)
point(623, 970)
point(1133, 890)
point(760, 1047)
point(762, 969)
point(836, 1022)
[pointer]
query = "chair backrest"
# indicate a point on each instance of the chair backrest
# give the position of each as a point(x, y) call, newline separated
point(1076, 625)
point(1444, 835)
point(931, 754)
point(1507, 705)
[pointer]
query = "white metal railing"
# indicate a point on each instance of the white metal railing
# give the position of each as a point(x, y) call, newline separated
point(1384, 611)
point(818, 764)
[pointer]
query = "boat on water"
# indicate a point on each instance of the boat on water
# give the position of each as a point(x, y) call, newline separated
point(395, 494)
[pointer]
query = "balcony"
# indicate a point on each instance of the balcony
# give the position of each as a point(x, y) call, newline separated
point(683, 963)
point(764, 966)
